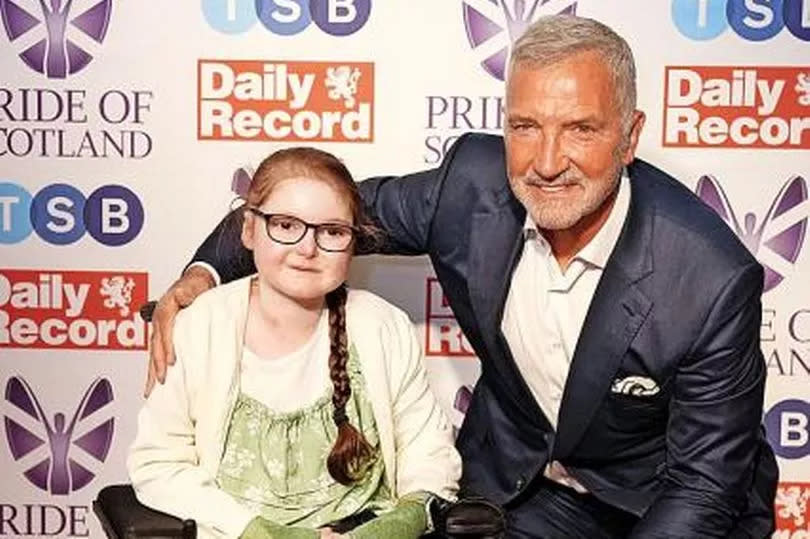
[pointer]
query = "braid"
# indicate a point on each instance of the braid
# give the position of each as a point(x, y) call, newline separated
point(351, 452)
point(338, 349)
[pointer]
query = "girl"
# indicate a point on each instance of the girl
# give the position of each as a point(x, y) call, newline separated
point(297, 408)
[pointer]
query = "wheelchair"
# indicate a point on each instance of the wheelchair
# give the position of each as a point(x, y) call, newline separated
point(122, 516)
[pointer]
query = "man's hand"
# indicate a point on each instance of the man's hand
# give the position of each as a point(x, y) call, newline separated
point(182, 293)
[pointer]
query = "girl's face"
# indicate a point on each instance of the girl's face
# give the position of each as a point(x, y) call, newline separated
point(301, 271)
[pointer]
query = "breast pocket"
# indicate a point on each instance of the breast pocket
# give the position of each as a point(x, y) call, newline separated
point(637, 402)
point(636, 411)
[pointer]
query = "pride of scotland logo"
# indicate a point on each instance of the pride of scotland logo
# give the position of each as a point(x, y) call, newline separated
point(47, 448)
point(53, 34)
point(777, 240)
point(493, 25)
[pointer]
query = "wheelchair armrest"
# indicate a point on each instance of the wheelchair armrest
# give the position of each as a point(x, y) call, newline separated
point(472, 517)
point(147, 310)
point(123, 517)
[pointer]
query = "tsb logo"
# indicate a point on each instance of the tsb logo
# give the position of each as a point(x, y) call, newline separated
point(787, 424)
point(60, 214)
point(754, 20)
point(287, 17)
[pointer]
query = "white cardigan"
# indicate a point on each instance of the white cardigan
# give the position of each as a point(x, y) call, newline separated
point(174, 459)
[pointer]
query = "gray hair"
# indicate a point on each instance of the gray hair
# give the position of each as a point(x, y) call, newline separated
point(556, 38)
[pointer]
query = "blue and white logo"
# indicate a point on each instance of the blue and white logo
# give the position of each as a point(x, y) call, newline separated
point(753, 20)
point(60, 214)
point(287, 17)
point(787, 424)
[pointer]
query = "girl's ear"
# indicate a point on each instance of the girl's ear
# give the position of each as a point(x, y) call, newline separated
point(248, 226)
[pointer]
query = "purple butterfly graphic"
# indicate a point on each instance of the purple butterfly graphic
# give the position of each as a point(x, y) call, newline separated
point(462, 402)
point(463, 399)
point(786, 242)
point(517, 16)
point(240, 183)
point(58, 473)
point(55, 55)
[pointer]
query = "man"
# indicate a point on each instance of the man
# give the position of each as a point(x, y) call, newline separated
point(616, 317)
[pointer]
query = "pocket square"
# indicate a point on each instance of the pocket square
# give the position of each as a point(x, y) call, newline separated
point(635, 386)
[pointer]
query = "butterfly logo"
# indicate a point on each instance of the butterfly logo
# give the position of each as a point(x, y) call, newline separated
point(58, 470)
point(240, 181)
point(493, 25)
point(462, 401)
point(58, 31)
point(781, 232)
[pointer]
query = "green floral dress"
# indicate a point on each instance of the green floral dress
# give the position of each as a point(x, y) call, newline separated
point(275, 462)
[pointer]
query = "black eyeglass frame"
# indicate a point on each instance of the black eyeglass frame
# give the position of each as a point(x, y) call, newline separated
point(315, 226)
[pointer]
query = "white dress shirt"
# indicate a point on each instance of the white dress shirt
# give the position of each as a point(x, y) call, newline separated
point(546, 308)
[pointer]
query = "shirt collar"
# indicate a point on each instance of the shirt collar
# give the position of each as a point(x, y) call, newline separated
point(597, 251)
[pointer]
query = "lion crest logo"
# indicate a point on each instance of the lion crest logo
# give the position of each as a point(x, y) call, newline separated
point(342, 83)
point(117, 293)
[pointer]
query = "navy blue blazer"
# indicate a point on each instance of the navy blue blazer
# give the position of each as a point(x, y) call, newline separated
point(678, 302)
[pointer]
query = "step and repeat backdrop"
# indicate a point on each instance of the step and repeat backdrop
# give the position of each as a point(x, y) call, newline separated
point(123, 124)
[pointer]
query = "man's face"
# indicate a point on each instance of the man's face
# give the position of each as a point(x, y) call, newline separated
point(565, 140)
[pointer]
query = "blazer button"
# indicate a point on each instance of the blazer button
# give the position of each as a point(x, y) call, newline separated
point(520, 483)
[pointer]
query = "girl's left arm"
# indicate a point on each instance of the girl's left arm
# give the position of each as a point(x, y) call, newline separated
point(426, 457)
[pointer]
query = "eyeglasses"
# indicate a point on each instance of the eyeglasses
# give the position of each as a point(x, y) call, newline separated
point(289, 230)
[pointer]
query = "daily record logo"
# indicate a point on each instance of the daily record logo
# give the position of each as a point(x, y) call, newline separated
point(72, 309)
point(788, 426)
point(753, 20)
point(443, 335)
point(778, 237)
point(292, 101)
point(493, 25)
point(737, 107)
point(60, 214)
point(58, 453)
point(287, 17)
point(792, 506)
point(56, 37)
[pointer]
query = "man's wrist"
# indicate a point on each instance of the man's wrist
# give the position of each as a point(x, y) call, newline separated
point(203, 271)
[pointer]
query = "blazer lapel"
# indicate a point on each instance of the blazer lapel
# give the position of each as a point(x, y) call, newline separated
point(617, 311)
point(492, 259)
